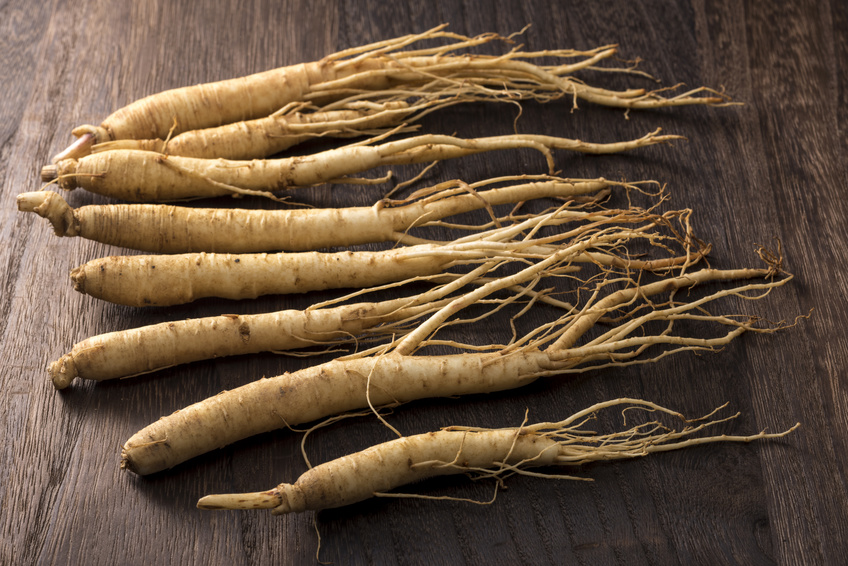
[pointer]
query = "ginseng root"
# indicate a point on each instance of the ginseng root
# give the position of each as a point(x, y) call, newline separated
point(146, 176)
point(372, 69)
point(480, 454)
point(166, 280)
point(147, 349)
point(263, 137)
point(161, 228)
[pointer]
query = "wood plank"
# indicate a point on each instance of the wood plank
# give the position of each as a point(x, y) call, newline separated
point(774, 167)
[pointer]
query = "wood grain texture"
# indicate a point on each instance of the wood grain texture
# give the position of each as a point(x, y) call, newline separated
point(772, 168)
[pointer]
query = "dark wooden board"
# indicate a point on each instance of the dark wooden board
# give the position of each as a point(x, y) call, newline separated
point(772, 168)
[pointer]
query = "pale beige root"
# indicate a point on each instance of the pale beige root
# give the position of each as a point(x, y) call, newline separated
point(80, 148)
point(256, 139)
point(146, 176)
point(376, 67)
point(151, 348)
point(49, 205)
point(164, 280)
point(478, 453)
point(163, 228)
point(392, 464)
point(370, 381)
point(316, 392)
point(214, 104)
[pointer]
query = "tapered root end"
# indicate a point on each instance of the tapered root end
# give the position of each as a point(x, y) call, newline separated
point(87, 137)
point(78, 279)
point(32, 202)
point(61, 173)
point(257, 500)
point(49, 173)
point(53, 207)
point(63, 371)
point(126, 463)
point(130, 463)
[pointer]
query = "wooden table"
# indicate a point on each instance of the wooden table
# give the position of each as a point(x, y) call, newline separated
point(773, 168)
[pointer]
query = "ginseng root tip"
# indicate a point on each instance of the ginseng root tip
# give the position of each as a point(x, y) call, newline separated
point(87, 137)
point(62, 372)
point(49, 173)
point(259, 500)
